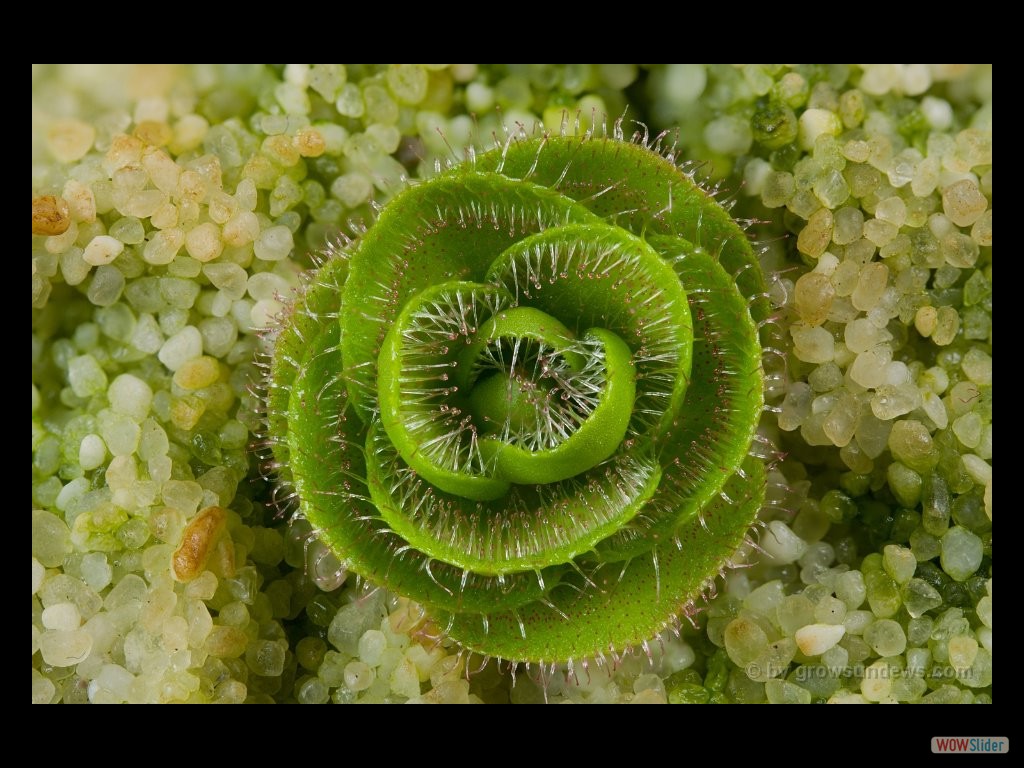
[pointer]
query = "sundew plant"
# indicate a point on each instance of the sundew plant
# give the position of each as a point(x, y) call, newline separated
point(512, 383)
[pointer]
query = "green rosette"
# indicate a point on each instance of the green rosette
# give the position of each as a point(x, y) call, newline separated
point(526, 397)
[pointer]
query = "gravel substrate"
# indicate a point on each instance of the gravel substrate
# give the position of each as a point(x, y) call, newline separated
point(174, 209)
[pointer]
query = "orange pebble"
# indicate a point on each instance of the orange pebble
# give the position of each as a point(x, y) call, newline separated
point(197, 543)
point(50, 215)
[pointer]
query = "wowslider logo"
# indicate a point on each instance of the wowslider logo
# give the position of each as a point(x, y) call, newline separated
point(970, 744)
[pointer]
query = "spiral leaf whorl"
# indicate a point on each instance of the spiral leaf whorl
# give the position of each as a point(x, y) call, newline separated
point(527, 397)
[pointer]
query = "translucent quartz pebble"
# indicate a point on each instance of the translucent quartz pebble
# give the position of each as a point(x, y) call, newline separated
point(745, 641)
point(961, 553)
point(978, 366)
point(856, 622)
point(265, 657)
point(984, 610)
point(371, 646)
point(893, 210)
point(85, 376)
point(69, 140)
point(96, 571)
point(886, 637)
point(43, 688)
point(274, 244)
point(183, 495)
point(197, 373)
point(765, 599)
point(962, 650)
point(892, 401)
point(163, 246)
point(313, 691)
point(832, 189)
point(350, 622)
point(267, 285)
point(185, 345)
point(851, 589)
point(112, 684)
point(778, 188)
point(924, 545)
point(106, 286)
point(968, 429)
point(814, 294)
point(947, 323)
point(815, 639)
point(404, 678)
point(219, 335)
point(841, 421)
point(61, 648)
point(877, 682)
point(781, 544)
point(101, 250)
point(62, 616)
point(868, 369)
point(899, 563)
point(796, 406)
point(861, 335)
point(204, 243)
point(911, 443)
point(830, 610)
point(813, 344)
point(981, 232)
point(38, 574)
point(817, 234)
point(131, 396)
point(963, 202)
point(871, 284)
point(359, 676)
point(979, 470)
point(449, 692)
point(230, 278)
point(51, 539)
point(883, 594)
point(794, 612)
